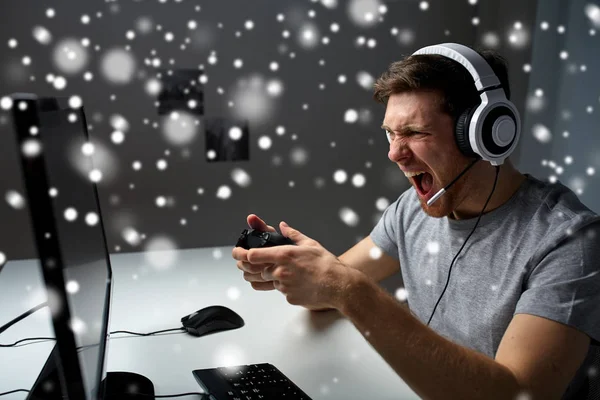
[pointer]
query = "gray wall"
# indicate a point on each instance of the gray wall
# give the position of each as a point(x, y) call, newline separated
point(570, 101)
point(314, 203)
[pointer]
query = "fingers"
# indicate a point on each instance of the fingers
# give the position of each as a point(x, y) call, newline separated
point(267, 273)
point(255, 222)
point(240, 254)
point(251, 268)
point(262, 285)
point(253, 277)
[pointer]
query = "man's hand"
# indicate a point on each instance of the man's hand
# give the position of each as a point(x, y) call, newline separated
point(307, 274)
point(252, 272)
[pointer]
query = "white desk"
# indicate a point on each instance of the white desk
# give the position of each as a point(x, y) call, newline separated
point(321, 352)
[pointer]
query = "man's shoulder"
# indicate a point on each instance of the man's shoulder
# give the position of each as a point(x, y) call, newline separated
point(556, 202)
point(555, 211)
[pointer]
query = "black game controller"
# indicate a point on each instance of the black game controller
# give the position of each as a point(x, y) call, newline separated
point(254, 239)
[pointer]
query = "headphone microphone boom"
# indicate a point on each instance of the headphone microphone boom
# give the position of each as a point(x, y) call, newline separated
point(444, 189)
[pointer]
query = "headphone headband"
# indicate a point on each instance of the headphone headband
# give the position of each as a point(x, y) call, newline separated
point(480, 70)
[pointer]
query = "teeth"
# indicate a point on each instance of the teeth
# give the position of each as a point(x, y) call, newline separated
point(411, 174)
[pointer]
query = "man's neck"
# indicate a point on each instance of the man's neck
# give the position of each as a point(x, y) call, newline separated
point(509, 181)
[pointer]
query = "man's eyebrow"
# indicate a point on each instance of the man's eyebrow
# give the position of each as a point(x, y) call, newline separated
point(408, 128)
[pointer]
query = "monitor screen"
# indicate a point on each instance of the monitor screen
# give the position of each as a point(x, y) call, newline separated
point(59, 148)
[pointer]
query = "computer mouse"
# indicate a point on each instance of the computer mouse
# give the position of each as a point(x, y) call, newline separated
point(211, 319)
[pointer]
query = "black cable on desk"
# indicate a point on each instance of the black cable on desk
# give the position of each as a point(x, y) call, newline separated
point(23, 340)
point(14, 391)
point(151, 333)
point(137, 394)
point(132, 333)
point(181, 395)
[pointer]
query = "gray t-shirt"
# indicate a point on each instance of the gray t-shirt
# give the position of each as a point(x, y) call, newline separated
point(539, 254)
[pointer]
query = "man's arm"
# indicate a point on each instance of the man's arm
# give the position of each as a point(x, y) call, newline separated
point(360, 257)
point(537, 356)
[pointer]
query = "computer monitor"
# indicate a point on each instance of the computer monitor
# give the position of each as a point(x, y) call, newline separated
point(69, 235)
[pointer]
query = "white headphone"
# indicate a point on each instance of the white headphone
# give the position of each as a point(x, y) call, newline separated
point(492, 128)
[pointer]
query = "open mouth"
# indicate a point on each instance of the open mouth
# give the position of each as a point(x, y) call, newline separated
point(424, 184)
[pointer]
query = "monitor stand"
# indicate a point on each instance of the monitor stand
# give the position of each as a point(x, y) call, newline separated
point(116, 385)
point(47, 385)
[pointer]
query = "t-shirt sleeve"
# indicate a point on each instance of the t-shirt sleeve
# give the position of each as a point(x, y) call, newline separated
point(564, 284)
point(385, 233)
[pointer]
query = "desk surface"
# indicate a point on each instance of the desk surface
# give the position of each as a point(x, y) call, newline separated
point(321, 352)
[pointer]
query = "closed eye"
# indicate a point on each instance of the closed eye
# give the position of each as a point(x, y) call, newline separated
point(391, 134)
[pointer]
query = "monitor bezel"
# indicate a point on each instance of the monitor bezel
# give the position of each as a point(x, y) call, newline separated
point(43, 221)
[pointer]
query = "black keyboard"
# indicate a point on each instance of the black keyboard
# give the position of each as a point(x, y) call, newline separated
point(248, 382)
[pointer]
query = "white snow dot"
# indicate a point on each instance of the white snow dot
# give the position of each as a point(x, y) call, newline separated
point(264, 142)
point(161, 201)
point(233, 293)
point(340, 176)
point(70, 214)
point(31, 147)
point(542, 133)
point(375, 253)
point(401, 294)
point(72, 287)
point(433, 247)
point(224, 192)
point(117, 137)
point(6, 103)
point(95, 175)
point(235, 133)
point(358, 180)
point(59, 83)
point(75, 102)
point(91, 218)
point(161, 164)
point(350, 116)
point(349, 216)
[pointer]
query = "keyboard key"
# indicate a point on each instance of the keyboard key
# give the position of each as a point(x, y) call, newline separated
point(249, 382)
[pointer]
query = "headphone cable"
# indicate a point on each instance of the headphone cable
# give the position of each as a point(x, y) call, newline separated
point(463, 245)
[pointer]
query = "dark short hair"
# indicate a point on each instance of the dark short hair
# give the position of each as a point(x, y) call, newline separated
point(441, 74)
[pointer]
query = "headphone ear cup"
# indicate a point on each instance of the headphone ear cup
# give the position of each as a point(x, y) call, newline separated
point(461, 133)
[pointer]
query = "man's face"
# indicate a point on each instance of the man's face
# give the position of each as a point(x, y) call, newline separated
point(422, 139)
